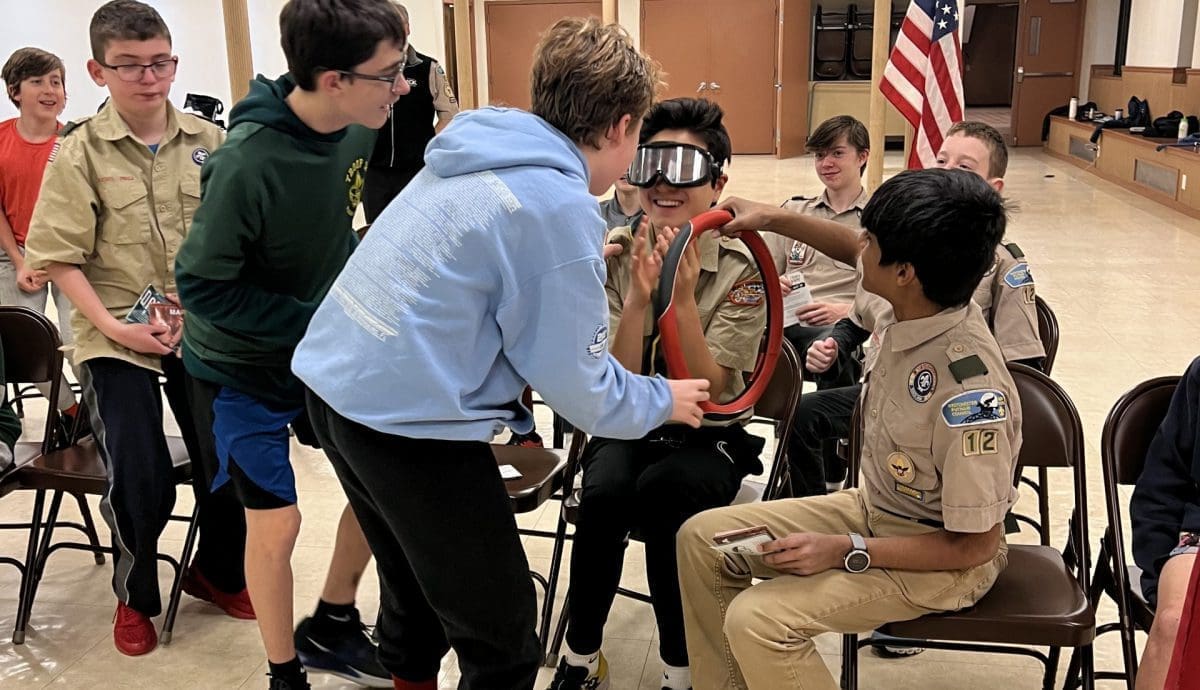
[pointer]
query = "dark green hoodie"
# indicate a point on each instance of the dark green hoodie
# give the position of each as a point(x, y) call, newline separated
point(273, 230)
point(10, 425)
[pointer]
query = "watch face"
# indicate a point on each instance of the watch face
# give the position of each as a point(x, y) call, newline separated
point(857, 561)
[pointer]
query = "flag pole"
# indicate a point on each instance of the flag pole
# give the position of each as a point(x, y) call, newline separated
point(877, 122)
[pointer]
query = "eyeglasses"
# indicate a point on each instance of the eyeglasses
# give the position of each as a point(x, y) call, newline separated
point(132, 72)
point(394, 80)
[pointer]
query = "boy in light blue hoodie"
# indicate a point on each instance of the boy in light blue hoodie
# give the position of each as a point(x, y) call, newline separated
point(483, 276)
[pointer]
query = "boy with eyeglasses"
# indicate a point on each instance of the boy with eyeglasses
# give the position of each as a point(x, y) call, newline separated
point(273, 232)
point(116, 201)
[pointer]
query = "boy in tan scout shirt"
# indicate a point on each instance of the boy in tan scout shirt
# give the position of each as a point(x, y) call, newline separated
point(654, 483)
point(941, 440)
point(116, 203)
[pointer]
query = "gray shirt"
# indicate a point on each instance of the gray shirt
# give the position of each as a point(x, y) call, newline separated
point(614, 217)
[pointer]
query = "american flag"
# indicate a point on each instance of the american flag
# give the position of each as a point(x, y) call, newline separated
point(923, 77)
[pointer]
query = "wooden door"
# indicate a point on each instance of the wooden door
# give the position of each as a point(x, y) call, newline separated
point(724, 50)
point(1049, 39)
point(513, 31)
point(742, 69)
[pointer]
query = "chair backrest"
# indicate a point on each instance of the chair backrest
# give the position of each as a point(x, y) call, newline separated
point(1047, 332)
point(1124, 441)
point(31, 355)
point(778, 406)
point(1131, 425)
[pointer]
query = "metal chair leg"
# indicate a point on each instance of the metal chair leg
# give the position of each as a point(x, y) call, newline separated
point(185, 558)
point(560, 633)
point(90, 527)
point(849, 662)
point(560, 539)
point(1051, 674)
point(35, 522)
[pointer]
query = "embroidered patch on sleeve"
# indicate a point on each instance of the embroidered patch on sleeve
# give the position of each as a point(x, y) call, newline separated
point(980, 442)
point(986, 406)
point(748, 293)
point(599, 344)
point(1018, 275)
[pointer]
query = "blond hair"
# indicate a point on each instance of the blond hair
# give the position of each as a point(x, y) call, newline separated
point(587, 76)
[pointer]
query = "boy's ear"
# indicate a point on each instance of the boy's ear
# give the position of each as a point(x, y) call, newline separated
point(328, 81)
point(997, 184)
point(96, 71)
point(619, 132)
point(905, 274)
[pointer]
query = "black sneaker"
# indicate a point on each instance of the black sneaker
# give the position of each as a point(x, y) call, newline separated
point(350, 656)
point(278, 683)
point(568, 677)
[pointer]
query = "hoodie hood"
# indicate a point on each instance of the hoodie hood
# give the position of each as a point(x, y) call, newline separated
point(497, 138)
point(266, 104)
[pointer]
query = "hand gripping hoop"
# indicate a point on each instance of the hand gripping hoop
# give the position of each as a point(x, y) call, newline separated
point(668, 326)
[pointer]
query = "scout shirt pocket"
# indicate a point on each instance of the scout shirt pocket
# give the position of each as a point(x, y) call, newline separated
point(189, 196)
point(909, 463)
point(125, 218)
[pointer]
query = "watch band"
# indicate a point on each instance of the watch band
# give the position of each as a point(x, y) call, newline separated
point(857, 542)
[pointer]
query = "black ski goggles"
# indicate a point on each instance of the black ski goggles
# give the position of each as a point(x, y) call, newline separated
point(679, 165)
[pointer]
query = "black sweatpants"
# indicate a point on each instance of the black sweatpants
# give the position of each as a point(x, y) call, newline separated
point(126, 413)
point(452, 572)
point(650, 487)
point(821, 418)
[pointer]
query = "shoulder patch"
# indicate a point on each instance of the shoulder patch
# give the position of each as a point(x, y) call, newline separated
point(748, 293)
point(1018, 275)
point(986, 406)
point(438, 68)
point(1014, 250)
point(968, 367)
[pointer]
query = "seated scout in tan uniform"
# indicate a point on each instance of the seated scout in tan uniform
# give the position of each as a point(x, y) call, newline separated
point(653, 484)
point(941, 440)
point(1005, 295)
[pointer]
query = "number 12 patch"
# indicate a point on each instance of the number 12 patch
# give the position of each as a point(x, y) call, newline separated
point(980, 442)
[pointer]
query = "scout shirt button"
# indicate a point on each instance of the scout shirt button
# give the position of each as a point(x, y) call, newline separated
point(162, 207)
point(874, 414)
point(958, 348)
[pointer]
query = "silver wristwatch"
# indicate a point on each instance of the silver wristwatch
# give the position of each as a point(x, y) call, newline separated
point(857, 559)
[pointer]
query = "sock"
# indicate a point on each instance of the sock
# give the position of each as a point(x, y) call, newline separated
point(334, 619)
point(677, 677)
point(399, 684)
point(290, 671)
point(589, 661)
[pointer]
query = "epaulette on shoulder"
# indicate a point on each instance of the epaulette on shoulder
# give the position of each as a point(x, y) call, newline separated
point(1014, 250)
point(74, 125)
point(799, 198)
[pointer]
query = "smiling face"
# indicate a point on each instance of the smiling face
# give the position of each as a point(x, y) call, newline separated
point(367, 102)
point(42, 97)
point(670, 207)
point(839, 165)
point(970, 154)
point(146, 96)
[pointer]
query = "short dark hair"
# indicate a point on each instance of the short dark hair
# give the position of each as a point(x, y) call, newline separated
point(125, 20)
point(946, 223)
point(991, 137)
point(27, 63)
point(700, 116)
point(335, 34)
point(826, 136)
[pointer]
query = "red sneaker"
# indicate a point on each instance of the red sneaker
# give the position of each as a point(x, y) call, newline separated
point(236, 605)
point(530, 440)
point(133, 633)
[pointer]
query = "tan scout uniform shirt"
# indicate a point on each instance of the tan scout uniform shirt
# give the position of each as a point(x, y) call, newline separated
point(444, 101)
point(828, 280)
point(942, 423)
point(119, 212)
point(729, 297)
point(1005, 297)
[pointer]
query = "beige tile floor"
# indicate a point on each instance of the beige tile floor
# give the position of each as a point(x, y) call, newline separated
point(1118, 269)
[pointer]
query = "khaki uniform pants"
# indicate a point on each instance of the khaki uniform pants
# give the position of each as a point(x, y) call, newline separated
point(760, 636)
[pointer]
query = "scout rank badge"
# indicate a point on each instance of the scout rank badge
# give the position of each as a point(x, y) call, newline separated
point(922, 382)
point(748, 293)
point(901, 467)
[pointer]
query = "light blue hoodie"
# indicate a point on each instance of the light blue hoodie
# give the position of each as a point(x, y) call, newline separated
point(482, 276)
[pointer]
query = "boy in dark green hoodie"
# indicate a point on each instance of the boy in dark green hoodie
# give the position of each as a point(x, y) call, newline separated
point(273, 231)
point(10, 424)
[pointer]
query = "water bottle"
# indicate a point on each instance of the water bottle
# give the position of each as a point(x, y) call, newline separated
point(1183, 128)
point(1073, 108)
